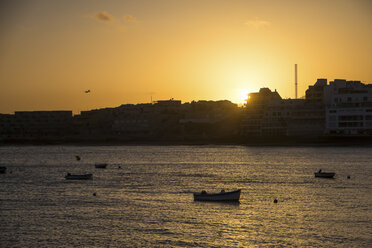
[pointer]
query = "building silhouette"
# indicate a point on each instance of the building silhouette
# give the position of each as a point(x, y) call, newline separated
point(341, 108)
point(338, 109)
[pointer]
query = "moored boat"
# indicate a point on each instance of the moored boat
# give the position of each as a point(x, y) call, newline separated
point(324, 174)
point(79, 177)
point(101, 166)
point(233, 196)
point(2, 169)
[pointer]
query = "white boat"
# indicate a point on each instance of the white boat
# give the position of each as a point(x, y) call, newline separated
point(100, 166)
point(221, 196)
point(324, 174)
point(2, 169)
point(79, 177)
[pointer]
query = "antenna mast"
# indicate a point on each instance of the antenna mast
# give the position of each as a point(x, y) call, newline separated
point(295, 81)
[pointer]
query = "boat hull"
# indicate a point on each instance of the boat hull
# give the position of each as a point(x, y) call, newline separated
point(79, 177)
point(324, 174)
point(100, 166)
point(232, 196)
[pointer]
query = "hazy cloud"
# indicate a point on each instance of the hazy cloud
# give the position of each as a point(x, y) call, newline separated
point(120, 24)
point(130, 18)
point(257, 23)
point(103, 16)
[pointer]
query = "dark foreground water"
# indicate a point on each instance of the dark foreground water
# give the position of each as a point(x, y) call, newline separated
point(148, 201)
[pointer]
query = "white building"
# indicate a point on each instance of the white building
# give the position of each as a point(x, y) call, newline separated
point(348, 108)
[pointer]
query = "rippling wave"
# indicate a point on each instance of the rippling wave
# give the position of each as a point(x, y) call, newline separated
point(144, 197)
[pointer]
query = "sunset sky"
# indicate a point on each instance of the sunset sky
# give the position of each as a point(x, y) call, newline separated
point(130, 51)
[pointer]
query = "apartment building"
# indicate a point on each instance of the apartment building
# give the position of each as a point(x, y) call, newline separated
point(348, 108)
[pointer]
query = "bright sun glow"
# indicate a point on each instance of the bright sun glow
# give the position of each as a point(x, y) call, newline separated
point(241, 95)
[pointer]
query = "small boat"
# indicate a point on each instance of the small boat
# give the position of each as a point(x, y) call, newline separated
point(324, 174)
point(100, 166)
point(2, 169)
point(222, 196)
point(79, 177)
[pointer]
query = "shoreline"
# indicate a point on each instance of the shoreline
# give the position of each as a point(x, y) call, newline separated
point(287, 142)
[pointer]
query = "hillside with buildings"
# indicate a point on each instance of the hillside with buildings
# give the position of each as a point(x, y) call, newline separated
point(340, 109)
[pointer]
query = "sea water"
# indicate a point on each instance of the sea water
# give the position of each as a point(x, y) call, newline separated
point(144, 197)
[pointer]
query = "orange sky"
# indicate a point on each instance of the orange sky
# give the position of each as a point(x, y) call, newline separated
point(130, 51)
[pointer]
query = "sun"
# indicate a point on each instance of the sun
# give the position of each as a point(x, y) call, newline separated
point(241, 95)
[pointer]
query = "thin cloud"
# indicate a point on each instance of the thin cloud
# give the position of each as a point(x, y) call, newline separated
point(121, 25)
point(130, 18)
point(257, 23)
point(103, 16)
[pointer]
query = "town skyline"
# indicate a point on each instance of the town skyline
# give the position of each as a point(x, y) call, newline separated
point(301, 95)
point(132, 51)
point(338, 109)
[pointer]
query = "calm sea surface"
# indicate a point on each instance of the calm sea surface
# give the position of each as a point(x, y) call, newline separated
point(148, 202)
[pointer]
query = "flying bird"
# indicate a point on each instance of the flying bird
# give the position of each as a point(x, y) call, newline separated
point(87, 91)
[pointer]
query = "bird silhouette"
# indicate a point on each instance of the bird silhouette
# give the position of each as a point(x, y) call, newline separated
point(87, 91)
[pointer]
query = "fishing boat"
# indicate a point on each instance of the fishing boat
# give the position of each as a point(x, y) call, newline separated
point(221, 196)
point(322, 174)
point(100, 166)
point(2, 169)
point(79, 177)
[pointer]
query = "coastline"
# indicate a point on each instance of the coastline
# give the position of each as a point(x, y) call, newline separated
point(254, 141)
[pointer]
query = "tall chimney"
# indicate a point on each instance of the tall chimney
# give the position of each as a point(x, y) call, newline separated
point(295, 81)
